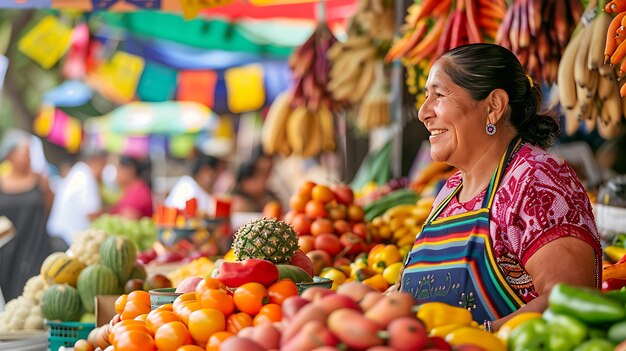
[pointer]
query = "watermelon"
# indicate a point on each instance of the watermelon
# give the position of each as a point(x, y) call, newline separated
point(59, 268)
point(96, 280)
point(119, 254)
point(61, 302)
point(292, 272)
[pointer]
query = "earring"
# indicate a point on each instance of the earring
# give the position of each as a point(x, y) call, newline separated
point(491, 129)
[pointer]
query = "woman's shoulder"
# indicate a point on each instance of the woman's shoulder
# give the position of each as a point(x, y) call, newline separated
point(534, 163)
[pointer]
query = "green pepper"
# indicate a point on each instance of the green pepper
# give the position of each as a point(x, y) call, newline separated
point(596, 345)
point(530, 335)
point(617, 332)
point(584, 304)
point(575, 329)
point(617, 295)
point(559, 338)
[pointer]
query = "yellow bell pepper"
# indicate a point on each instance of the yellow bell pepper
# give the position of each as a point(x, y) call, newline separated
point(360, 261)
point(377, 282)
point(334, 274)
point(476, 337)
point(382, 256)
point(376, 249)
point(445, 330)
point(508, 326)
point(437, 314)
point(230, 256)
point(614, 253)
point(392, 273)
point(404, 251)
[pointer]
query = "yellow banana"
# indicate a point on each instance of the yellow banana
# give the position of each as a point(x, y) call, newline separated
point(313, 144)
point(365, 81)
point(595, 55)
point(581, 73)
point(273, 132)
point(606, 86)
point(571, 119)
point(566, 81)
point(296, 129)
point(399, 210)
point(327, 127)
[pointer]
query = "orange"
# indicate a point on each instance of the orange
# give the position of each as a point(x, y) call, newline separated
point(134, 340)
point(157, 318)
point(170, 336)
point(238, 321)
point(281, 290)
point(322, 193)
point(250, 297)
point(120, 303)
point(216, 339)
point(206, 322)
point(268, 314)
point(207, 284)
point(218, 299)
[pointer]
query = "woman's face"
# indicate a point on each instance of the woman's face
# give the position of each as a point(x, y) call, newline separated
point(456, 122)
point(125, 174)
point(20, 157)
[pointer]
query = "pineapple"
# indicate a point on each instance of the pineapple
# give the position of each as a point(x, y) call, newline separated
point(267, 239)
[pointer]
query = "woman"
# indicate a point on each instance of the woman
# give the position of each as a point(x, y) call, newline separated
point(25, 200)
point(136, 200)
point(515, 220)
point(251, 191)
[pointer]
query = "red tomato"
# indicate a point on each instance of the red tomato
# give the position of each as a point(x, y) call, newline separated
point(329, 243)
point(281, 290)
point(301, 223)
point(321, 226)
point(268, 314)
point(315, 209)
point(322, 193)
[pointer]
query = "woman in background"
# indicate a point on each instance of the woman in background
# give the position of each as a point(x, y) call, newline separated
point(136, 200)
point(251, 191)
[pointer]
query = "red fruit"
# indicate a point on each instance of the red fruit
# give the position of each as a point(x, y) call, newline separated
point(355, 213)
point(407, 334)
point(297, 202)
point(301, 224)
point(322, 193)
point(343, 194)
point(320, 226)
point(335, 302)
point(329, 243)
point(288, 218)
point(273, 209)
point(360, 230)
point(306, 243)
point(292, 305)
point(341, 261)
point(352, 243)
point(320, 260)
point(315, 209)
point(337, 211)
point(341, 226)
point(303, 261)
point(306, 189)
point(438, 343)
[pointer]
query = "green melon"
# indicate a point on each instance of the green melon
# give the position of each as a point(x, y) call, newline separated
point(96, 280)
point(292, 272)
point(61, 302)
point(59, 268)
point(138, 272)
point(119, 254)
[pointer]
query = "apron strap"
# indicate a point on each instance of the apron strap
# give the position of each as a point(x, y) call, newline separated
point(514, 146)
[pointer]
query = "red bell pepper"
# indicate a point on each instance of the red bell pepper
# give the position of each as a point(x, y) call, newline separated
point(613, 284)
point(235, 274)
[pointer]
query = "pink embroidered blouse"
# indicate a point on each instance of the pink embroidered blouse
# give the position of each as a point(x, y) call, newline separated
point(539, 199)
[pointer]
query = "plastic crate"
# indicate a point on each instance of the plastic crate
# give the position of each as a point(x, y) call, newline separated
point(67, 333)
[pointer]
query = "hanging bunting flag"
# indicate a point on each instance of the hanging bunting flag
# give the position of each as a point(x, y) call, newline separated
point(158, 83)
point(245, 90)
point(46, 42)
point(26, 4)
point(191, 8)
point(4, 65)
point(197, 86)
point(121, 75)
point(43, 123)
point(74, 66)
point(59, 128)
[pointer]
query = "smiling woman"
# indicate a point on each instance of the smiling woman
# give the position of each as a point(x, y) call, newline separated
point(514, 220)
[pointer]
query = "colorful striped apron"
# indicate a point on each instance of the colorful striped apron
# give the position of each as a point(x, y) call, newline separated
point(452, 260)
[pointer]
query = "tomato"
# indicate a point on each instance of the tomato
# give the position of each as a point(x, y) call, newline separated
point(134, 340)
point(207, 284)
point(186, 308)
point(315, 209)
point(157, 318)
point(288, 217)
point(170, 336)
point(166, 307)
point(141, 317)
point(125, 326)
point(355, 213)
point(281, 290)
point(306, 189)
point(216, 339)
point(341, 227)
point(322, 193)
point(134, 308)
point(352, 243)
point(337, 211)
point(190, 296)
point(321, 226)
point(238, 321)
point(250, 297)
point(218, 299)
point(120, 303)
point(140, 296)
point(305, 242)
point(190, 348)
point(297, 202)
point(329, 243)
point(360, 230)
point(206, 322)
point(268, 314)
point(343, 194)
point(301, 224)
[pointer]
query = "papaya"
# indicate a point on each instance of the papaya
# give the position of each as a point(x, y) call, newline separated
point(294, 273)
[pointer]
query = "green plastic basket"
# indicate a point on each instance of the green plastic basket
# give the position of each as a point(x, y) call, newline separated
point(67, 333)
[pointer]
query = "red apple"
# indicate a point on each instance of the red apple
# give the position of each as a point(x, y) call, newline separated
point(188, 285)
point(303, 261)
point(407, 334)
point(329, 243)
point(343, 194)
point(292, 305)
point(320, 260)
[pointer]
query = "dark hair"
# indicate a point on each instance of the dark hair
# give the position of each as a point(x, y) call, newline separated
point(204, 161)
point(141, 167)
point(248, 168)
point(482, 68)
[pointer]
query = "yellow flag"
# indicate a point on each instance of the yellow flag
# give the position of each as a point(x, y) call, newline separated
point(191, 8)
point(46, 42)
point(121, 75)
point(244, 88)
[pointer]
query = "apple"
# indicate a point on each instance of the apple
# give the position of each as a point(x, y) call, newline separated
point(188, 284)
point(132, 285)
point(343, 194)
point(320, 260)
point(156, 281)
point(292, 305)
point(303, 261)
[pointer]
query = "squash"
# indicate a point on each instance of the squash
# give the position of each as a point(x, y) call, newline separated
point(119, 254)
point(61, 302)
point(96, 280)
point(59, 268)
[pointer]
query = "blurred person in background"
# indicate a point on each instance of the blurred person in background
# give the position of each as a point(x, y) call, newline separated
point(251, 191)
point(77, 199)
point(25, 199)
point(133, 179)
